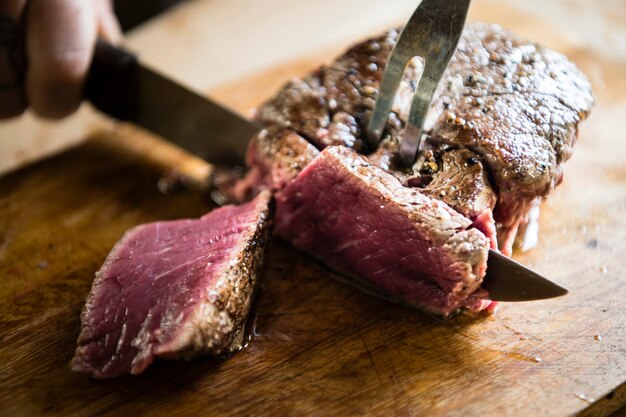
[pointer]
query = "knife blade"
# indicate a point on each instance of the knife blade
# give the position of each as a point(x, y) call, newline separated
point(120, 86)
point(508, 280)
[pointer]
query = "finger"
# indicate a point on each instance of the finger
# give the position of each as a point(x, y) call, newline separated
point(12, 98)
point(60, 38)
point(108, 25)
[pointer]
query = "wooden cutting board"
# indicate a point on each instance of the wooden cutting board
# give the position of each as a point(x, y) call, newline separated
point(318, 347)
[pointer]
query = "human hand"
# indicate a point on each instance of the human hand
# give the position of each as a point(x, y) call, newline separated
point(46, 72)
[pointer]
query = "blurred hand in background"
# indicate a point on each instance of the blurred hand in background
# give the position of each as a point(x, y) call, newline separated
point(45, 51)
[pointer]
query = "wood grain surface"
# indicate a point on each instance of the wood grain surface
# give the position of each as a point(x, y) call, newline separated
point(318, 347)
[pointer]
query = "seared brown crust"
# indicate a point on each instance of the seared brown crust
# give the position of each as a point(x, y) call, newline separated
point(513, 103)
point(235, 296)
point(518, 105)
point(276, 155)
point(245, 269)
point(301, 106)
point(286, 152)
point(462, 183)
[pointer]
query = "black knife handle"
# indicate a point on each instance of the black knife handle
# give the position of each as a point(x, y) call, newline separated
point(111, 81)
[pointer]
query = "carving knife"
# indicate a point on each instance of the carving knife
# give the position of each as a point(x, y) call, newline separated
point(120, 86)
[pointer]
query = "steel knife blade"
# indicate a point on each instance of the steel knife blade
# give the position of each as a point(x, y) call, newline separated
point(508, 280)
point(120, 86)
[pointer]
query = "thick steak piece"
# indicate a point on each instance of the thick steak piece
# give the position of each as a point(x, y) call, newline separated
point(502, 123)
point(512, 103)
point(174, 289)
point(361, 221)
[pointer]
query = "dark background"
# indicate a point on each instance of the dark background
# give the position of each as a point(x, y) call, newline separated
point(134, 12)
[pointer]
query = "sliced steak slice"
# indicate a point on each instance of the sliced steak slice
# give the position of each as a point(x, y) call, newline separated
point(361, 221)
point(173, 289)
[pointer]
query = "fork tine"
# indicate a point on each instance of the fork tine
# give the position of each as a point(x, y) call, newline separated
point(432, 32)
point(388, 87)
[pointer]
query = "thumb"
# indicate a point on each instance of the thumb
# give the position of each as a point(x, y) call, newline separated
point(60, 37)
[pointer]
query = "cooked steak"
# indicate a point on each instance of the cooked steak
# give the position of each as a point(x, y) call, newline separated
point(173, 289)
point(462, 183)
point(513, 103)
point(275, 156)
point(518, 105)
point(361, 221)
point(502, 123)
